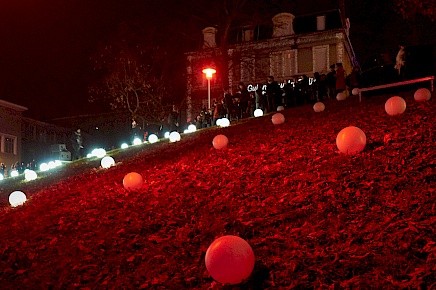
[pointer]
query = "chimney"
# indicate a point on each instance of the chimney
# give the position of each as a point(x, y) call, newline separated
point(209, 34)
point(283, 24)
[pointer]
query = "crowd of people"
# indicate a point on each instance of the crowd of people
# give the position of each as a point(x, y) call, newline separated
point(20, 167)
point(243, 103)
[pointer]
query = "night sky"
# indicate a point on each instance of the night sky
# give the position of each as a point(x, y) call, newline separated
point(45, 47)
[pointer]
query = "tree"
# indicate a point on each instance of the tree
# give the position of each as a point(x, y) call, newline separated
point(413, 8)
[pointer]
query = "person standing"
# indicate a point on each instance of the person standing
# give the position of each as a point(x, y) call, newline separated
point(273, 94)
point(340, 78)
point(76, 141)
point(331, 82)
point(400, 62)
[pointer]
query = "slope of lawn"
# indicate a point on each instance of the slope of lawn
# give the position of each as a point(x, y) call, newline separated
point(315, 218)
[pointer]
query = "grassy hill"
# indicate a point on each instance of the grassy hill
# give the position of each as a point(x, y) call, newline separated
point(315, 218)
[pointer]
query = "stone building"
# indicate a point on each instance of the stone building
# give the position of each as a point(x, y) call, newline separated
point(296, 46)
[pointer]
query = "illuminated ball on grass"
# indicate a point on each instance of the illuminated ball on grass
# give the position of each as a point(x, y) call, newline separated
point(351, 140)
point(133, 181)
point(99, 152)
point(137, 141)
point(107, 162)
point(355, 91)
point(14, 173)
point(1, 177)
point(192, 128)
point(218, 122)
point(220, 142)
point(229, 260)
point(319, 107)
point(341, 96)
point(124, 146)
point(30, 175)
point(258, 113)
point(395, 106)
point(17, 198)
point(280, 108)
point(224, 122)
point(422, 95)
point(44, 167)
point(51, 165)
point(186, 131)
point(278, 119)
point(153, 138)
point(174, 136)
point(167, 135)
point(58, 163)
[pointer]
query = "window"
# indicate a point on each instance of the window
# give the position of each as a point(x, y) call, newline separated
point(8, 144)
point(321, 58)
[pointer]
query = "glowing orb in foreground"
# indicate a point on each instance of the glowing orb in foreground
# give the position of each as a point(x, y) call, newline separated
point(153, 138)
point(124, 146)
point(137, 141)
point(319, 107)
point(229, 260)
point(258, 113)
point(422, 95)
point(107, 162)
point(280, 108)
point(192, 128)
point(17, 198)
point(351, 140)
point(220, 142)
point(30, 175)
point(395, 106)
point(14, 173)
point(133, 181)
point(278, 119)
point(174, 137)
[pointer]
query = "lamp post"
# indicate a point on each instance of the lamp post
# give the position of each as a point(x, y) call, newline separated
point(209, 72)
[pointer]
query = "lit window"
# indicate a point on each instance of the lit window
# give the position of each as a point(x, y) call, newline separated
point(9, 145)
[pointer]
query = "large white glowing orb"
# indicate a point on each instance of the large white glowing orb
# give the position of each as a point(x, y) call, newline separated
point(174, 136)
point(14, 173)
point(280, 108)
point(218, 122)
point(422, 95)
point(220, 142)
point(99, 152)
point(278, 119)
point(341, 96)
point(192, 128)
point(17, 198)
point(124, 146)
point(258, 113)
point(137, 141)
point(167, 135)
point(229, 260)
point(133, 181)
point(153, 138)
point(107, 162)
point(224, 122)
point(319, 107)
point(44, 167)
point(395, 106)
point(30, 175)
point(351, 140)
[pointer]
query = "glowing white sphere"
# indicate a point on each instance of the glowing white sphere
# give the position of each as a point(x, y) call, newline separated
point(186, 131)
point(395, 106)
point(355, 91)
point(1, 176)
point(218, 122)
point(230, 260)
point(124, 146)
point(51, 165)
point(44, 167)
point(99, 152)
point(133, 181)
point(30, 175)
point(192, 128)
point(89, 155)
point(167, 135)
point(137, 141)
point(224, 122)
point(278, 119)
point(153, 138)
point(174, 136)
point(220, 141)
point(422, 95)
point(280, 108)
point(107, 162)
point(14, 173)
point(17, 198)
point(258, 113)
point(341, 96)
point(58, 163)
point(351, 140)
point(319, 107)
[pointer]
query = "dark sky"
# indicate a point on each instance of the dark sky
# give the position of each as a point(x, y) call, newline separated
point(45, 46)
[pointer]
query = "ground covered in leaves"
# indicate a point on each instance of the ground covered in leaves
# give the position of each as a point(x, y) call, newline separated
point(315, 218)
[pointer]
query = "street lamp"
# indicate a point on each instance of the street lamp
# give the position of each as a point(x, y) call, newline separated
point(209, 72)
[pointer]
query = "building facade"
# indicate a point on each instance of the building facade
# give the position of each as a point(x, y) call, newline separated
point(296, 46)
